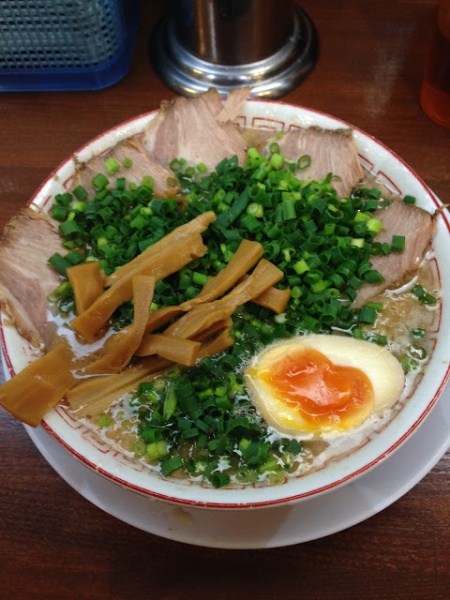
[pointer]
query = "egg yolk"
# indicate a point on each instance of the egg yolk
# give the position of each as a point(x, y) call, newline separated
point(324, 393)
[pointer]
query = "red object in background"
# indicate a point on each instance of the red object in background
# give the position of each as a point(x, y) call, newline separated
point(435, 91)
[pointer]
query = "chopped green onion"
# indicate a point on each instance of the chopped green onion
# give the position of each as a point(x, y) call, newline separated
point(219, 479)
point(171, 464)
point(99, 182)
point(381, 340)
point(148, 181)
point(59, 212)
point(398, 243)
point(378, 306)
point(157, 450)
point(409, 364)
point(423, 296)
point(357, 242)
point(111, 165)
point(276, 161)
point(367, 315)
point(373, 276)
point(80, 193)
point(199, 278)
point(274, 148)
point(170, 403)
point(69, 228)
point(320, 285)
point(255, 210)
point(418, 332)
point(374, 225)
point(301, 266)
point(304, 162)
point(60, 263)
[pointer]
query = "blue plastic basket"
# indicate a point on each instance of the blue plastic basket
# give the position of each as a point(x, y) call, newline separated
point(63, 45)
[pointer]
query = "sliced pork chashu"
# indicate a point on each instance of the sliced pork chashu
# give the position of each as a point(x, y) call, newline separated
point(199, 130)
point(418, 227)
point(233, 104)
point(143, 164)
point(26, 278)
point(330, 151)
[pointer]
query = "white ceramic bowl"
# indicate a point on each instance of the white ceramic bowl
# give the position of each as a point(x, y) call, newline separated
point(79, 441)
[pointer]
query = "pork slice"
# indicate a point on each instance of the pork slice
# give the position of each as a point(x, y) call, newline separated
point(193, 129)
point(418, 227)
point(26, 279)
point(233, 104)
point(143, 164)
point(331, 151)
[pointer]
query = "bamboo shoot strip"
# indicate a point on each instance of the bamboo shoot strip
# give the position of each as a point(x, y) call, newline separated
point(159, 265)
point(88, 282)
point(216, 327)
point(221, 342)
point(167, 243)
point(179, 350)
point(120, 348)
point(40, 386)
point(274, 299)
point(161, 316)
point(94, 395)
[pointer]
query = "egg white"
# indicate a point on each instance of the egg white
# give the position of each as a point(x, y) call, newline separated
point(377, 362)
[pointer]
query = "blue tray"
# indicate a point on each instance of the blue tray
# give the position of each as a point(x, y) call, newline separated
point(65, 45)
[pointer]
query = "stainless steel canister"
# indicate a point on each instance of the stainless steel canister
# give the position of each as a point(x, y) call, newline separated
point(268, 45)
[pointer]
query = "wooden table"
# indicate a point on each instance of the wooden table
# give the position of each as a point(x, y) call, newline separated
point(54, 544)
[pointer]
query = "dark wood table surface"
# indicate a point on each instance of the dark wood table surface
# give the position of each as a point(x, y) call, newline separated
point(54, 544)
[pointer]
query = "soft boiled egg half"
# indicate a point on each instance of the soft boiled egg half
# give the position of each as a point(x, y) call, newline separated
point(322, 386)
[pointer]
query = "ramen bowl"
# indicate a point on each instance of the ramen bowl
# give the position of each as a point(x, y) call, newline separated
point(373, 446)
